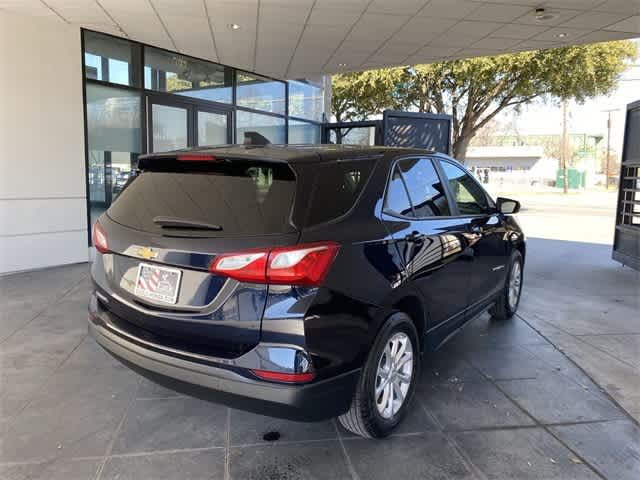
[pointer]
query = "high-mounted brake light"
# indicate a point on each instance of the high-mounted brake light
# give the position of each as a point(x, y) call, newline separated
point(284, 377)
point(99, 238)
point(193, 157)
point(303, 265)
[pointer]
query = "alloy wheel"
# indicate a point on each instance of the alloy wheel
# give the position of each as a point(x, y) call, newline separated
point(515, 282)
point(394, 375)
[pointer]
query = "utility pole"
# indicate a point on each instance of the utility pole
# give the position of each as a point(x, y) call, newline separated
point(608, 161)
point(565, 147)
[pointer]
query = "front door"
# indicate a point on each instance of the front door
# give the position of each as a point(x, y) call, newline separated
point(175, 124)
point(431, 241)
point(485, 233)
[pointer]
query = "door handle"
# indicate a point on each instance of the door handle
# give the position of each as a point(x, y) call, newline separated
point(476, 229)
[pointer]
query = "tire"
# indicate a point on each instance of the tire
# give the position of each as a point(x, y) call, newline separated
point(364, 417)
point(504, 308)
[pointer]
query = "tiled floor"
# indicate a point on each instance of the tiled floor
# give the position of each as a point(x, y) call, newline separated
point(498, 402)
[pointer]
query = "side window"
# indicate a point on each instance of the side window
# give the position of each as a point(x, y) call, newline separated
point(469, 196)
point(426, 191)
point(338, 186)
point(397, 200)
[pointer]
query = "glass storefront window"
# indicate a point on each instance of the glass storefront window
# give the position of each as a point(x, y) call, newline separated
point(111, 59)
point(260, 93)
point(114, 139)
point(174, 73)
point(212, 128)
point(353, 136)
point(303, 133)
point(272, 128)
point(305, 101)
point(169, 130)
point(115, 116)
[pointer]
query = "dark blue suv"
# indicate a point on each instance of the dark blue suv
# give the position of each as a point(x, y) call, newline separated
point(299, 282)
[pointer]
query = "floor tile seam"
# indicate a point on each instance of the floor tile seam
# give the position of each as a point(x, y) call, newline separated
point(56, 302)
point(116, 433)
point(347, 459)
point(452, 442)
point(584, 372)
point(46, 382)
point(548, 430)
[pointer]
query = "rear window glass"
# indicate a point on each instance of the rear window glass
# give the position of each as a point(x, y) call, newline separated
point(338, 186)
point(241, 197)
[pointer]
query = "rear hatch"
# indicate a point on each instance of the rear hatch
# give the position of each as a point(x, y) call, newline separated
point(170, 223)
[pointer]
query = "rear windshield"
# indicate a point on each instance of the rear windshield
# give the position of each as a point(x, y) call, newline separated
point(240, 197)
point(338, 186)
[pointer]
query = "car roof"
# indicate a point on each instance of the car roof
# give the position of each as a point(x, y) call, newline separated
point(290, 153)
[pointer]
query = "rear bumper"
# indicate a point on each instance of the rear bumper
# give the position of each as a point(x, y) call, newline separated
point(315, 401)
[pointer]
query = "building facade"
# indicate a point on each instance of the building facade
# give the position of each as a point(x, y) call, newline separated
point(95, 103)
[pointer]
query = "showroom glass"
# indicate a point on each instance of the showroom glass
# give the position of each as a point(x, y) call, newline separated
point(212, 128)
point(169, 128)
point(114, 142)
point(260, 93)
point(111, 60)
point(468, 195)
point(303, 133)
point(115, 118)
point(305, 101)
point(425, 189)
point(173, 73)
point(397, 200)
point(353, 135)
point(272, 128)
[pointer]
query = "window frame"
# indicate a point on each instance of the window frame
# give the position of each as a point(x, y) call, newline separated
point(453, 208)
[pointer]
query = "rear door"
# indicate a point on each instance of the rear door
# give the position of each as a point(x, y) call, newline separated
point(430, 240)
point(170, 223)
point(486, 232)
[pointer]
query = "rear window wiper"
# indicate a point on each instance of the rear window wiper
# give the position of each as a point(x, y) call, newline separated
point(174, 222)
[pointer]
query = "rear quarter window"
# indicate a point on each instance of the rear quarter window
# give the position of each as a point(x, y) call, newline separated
point(337, 188)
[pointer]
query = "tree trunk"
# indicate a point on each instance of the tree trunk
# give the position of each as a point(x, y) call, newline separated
point(459, 148)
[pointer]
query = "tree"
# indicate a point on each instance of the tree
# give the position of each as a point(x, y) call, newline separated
point(473, 91)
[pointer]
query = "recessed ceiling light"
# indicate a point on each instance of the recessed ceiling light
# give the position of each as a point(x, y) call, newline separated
point(562, 35)
point(542, 15)
point(234, 26)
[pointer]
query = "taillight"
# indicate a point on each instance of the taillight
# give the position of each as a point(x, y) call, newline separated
point(246, 266)
point(304, 265)
point(99, 238)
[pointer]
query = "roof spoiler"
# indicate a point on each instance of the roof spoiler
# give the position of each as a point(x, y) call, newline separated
point(254, 138)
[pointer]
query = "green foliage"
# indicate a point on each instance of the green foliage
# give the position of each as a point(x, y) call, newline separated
point(475, 90)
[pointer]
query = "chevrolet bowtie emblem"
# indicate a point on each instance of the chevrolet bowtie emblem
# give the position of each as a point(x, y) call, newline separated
point(146, 253)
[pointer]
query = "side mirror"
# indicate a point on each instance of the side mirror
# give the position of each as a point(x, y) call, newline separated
point(507, 206)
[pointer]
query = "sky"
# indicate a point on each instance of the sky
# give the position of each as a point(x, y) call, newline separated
point(589, 118)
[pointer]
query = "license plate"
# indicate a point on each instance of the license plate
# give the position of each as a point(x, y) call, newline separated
point(158, 283)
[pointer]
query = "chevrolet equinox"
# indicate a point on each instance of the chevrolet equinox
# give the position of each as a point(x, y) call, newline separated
point(299, 282)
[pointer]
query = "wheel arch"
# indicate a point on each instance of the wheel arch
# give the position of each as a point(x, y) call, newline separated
point(413, 307)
